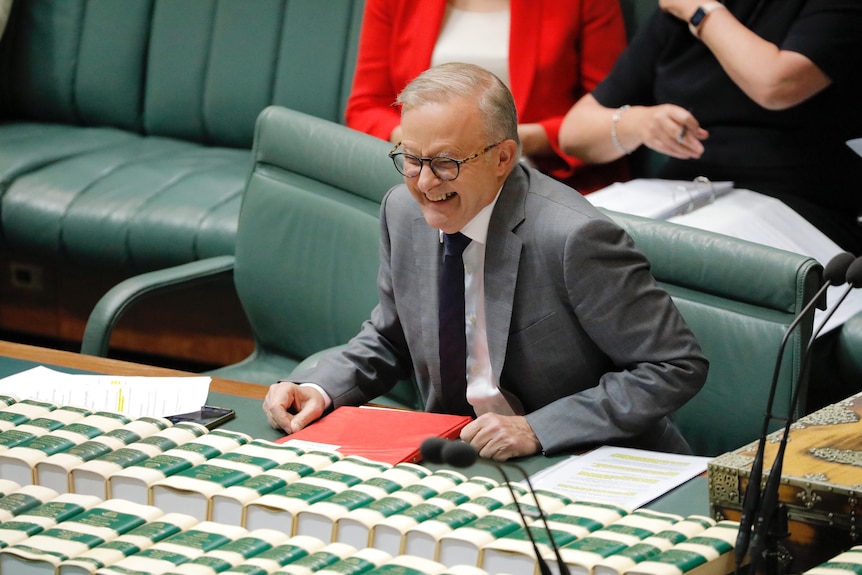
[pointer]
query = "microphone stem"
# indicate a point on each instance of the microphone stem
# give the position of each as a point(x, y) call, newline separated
point(543, 565)
point(753, 491)
point(770, 495)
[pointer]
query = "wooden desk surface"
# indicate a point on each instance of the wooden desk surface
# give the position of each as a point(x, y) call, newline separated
point(105, 365)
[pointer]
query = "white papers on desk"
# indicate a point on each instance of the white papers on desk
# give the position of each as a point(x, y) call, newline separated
point(659, 199)
point(133, 396)
point(629, 478)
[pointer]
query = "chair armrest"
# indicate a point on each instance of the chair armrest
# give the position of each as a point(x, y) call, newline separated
point(111, 307)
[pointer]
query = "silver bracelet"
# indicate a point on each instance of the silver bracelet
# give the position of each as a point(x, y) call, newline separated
point(616, 118)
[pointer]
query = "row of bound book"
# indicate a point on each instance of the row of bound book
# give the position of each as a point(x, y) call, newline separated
point(229, 479)
point(74, 534)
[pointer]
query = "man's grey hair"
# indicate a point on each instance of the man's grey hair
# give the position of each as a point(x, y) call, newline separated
point(445, 82)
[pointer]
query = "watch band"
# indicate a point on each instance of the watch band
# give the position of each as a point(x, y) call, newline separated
point(699, 16)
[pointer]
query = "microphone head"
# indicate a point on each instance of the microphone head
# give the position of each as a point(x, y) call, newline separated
point(432, 449)
point(835, 272)
point(854, 273)
point(459, 454)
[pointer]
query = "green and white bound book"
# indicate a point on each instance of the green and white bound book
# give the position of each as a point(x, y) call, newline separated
point(181, 548)
point(277, 509)
point(581, 555)
point(19, 462)
point(24, 499)
point(408, 565)
point(7, 487)
point(233, 553)
point(39, 426)
point(41, 554)
point(91, 477)
point(8, 399)
point(56, 470)
point(354, 527)
point(422, 539)
point(228, 506)
point(191, 490)
point(287, 552)
point(134, 541)
point(360, 562)
point(18, 413)
point(47, 515)
point(707, 553)
point(389, 533)
point(464, 545)
point(318, 519)
point(653, 545)
point(847, 563)
point(514, 552)
point(325, 557)
point(465, 570)
point(134, 482)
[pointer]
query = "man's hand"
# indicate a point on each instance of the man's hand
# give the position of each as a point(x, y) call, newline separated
point(501, 437)
point(291, 407)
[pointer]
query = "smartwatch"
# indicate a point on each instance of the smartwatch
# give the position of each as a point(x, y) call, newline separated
point(697, 19)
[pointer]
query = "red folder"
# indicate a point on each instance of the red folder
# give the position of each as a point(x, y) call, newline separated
point(379, 433)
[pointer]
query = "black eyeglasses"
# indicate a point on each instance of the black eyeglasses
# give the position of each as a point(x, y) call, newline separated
point(445, 169)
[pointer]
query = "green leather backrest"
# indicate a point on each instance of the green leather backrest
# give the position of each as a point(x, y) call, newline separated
point(75, 61)
point(308, 240)
point(738, 298)
point(198, 70)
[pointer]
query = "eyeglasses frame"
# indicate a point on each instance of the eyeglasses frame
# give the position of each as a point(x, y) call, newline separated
point(422, 161)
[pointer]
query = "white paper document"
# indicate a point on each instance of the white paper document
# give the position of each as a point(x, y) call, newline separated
point(133, 396)
point(626, 477)
point(659, 199)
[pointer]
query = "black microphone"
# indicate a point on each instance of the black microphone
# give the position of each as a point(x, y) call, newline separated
point(460, 454)
point(834, 274)
point(770, 491)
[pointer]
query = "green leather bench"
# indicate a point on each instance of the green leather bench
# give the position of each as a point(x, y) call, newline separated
point(126, 125)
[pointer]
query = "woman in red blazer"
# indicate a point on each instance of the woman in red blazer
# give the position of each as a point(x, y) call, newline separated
point(559, 50)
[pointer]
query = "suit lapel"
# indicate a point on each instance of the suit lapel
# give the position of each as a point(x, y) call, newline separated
point(502, 256)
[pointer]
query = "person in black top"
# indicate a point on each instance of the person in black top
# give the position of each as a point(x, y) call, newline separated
point(764, 93)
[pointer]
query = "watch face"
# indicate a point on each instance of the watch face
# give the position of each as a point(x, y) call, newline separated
point(697, 17)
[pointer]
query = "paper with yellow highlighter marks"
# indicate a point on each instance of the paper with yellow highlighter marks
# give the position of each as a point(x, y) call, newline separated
point(621, 476)
point(133, 396)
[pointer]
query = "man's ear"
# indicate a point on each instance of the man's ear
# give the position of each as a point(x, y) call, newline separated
point(508, 155)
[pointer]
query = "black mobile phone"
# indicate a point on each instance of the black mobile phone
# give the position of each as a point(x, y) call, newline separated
point(209, 416)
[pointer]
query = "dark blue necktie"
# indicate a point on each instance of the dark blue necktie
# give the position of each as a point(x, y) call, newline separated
point(453, 336)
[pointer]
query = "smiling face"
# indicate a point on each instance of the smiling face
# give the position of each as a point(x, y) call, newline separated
point(454, 129)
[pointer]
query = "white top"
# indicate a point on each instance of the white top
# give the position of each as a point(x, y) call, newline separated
point(480, 38)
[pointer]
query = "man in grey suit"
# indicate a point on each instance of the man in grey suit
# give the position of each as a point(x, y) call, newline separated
point(570, 343)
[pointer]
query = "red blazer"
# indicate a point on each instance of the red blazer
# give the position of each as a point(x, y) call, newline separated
point(559, 50)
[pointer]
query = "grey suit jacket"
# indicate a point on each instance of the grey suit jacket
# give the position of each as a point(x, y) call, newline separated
point(578, 330)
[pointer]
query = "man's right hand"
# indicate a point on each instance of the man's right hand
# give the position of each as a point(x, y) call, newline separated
point(291, 407)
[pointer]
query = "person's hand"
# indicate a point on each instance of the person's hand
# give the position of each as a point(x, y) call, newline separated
point(291, 407)
point(671, 130)
point(501, 437)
